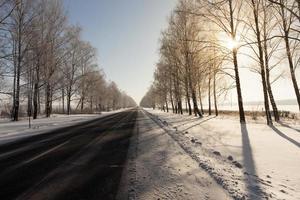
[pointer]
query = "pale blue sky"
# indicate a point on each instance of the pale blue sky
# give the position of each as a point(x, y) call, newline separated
point(126, 34)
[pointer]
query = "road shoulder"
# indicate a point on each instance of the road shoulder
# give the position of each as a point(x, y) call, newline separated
point(158, 168)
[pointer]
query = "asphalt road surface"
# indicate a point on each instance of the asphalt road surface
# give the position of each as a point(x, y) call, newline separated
point(84, 161)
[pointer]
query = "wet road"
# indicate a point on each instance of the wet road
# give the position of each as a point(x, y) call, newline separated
point(84, 161)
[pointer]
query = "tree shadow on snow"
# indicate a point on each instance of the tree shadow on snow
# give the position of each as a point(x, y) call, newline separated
point(255, 192)
point(285, 136)
point(202, 121)
point(288, 126)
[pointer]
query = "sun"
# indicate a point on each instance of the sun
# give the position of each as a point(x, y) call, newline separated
point(228, 42)
point(232, 44)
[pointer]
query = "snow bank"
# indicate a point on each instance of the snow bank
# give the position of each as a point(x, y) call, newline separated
point(252, 161)
point(10, 130)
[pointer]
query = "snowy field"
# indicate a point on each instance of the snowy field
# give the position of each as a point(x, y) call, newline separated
point(252, 161)
point(10, 130)
point(259, 107)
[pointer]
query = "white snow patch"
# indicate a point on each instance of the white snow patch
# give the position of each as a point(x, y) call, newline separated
point(10, 130)
point(270, 156)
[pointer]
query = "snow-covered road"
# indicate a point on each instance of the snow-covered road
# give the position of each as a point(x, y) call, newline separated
point(159, 168)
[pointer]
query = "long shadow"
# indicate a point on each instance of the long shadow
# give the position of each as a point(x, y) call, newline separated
point(199, 123)
point(285, 136)
point(174, 119)
point(255, 191)
point(287, 126)
point(187, 121)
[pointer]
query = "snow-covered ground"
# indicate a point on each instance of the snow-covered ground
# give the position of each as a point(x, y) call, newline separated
point(252, 161)
point(11, 130)
point(160, 169)
point(259, 107)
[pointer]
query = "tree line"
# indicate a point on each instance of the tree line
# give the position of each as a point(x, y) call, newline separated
point(45, 64)
point(205, 43)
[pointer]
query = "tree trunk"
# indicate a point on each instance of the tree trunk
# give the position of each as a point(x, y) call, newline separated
point(82, 104)
point(35, 100)
point(238, 88)
point(298, 3)
point(19, 60)
point(194, 97)
point(269, 87)
point(215, 95)
point(51, 101)
point(36, 91)
point(29, 95)
point(172, 102)
point(29, 105)
point(176, 97)
point(209, 95)
point(189, 110)
point(289, 56)
point(63, 99)
point(48, 100)
point(196, 109)
point(167, 106)
point(270, 92)
point(186, 106)
point(69, 96)
point(189, 107)
point(68, 101)
point(180, 107)
point(14, 87)
point(293, 76)
point(200, 99)
point(17, 95)
point(262, 66)
point(236, 70)
point(39, 102)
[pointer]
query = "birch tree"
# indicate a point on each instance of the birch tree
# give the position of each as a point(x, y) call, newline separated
point(227, 15)
point(20, 29)
point(287, 23)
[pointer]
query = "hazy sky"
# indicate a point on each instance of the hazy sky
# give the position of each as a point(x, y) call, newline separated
point(126, 34)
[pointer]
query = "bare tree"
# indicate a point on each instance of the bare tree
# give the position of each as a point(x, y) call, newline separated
point(269, 47)
point(20, 29)
point(187, 29)
point(227, 15)
point(56, 22)
point(288, 27)
point(256, 6)
point(72, 63)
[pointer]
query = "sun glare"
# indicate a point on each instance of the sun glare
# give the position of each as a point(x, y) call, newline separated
point(231, 44)
point(227, 42)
